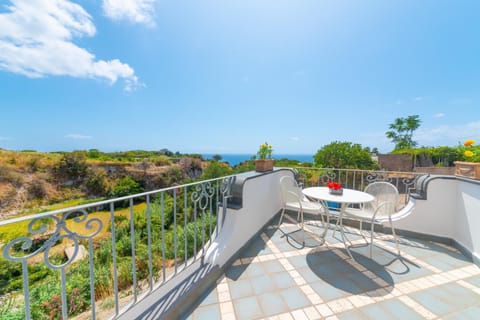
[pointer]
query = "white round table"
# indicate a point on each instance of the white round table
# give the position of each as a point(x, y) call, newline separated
point(348, 197)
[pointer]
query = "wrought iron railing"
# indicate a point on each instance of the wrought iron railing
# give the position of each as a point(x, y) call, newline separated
point(358, 179)
point(134, 244)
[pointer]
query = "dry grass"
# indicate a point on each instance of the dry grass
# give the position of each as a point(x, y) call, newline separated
point(29, 161)
point(104, 216)
point(12, 231)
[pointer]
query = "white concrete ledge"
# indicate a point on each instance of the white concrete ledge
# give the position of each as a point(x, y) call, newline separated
point(451, 209)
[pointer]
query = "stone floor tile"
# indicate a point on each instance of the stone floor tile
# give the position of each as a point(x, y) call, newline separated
point(276, 278)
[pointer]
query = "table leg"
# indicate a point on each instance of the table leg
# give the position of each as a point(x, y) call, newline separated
point(342, 232)
point(327, 223)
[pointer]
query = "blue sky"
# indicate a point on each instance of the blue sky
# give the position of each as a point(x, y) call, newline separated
point(225, 76)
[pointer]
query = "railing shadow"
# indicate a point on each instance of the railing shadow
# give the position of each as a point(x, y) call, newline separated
point(177, 299)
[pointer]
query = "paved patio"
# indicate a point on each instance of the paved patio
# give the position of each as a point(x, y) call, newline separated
point(276, 277)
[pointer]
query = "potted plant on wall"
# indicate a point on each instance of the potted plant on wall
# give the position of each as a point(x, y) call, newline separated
point(470, 168)
point(264, 161)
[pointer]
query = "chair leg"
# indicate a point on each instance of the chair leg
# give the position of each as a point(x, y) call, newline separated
point(300, 213)
point(322, 220)
point(395, 237)
point(371, 239)
point(361, 231)
point(281, 218)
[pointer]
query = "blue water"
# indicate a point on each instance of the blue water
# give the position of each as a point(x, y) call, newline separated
point(235, 159)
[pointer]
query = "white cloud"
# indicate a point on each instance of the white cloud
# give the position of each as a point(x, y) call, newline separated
point(439, 115)
point(295, 138)
point(5, 138)
point(446, 135)
point(136, 11)
point(77, 136)
point(421, 98)
point(36, 41)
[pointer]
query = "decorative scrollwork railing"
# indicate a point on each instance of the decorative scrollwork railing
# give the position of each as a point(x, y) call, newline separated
point(358, 179)
point(132, 225)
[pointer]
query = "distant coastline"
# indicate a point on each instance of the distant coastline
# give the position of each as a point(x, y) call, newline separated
point(234, 159)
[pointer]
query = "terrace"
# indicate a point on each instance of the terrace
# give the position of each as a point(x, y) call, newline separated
point(222, 256)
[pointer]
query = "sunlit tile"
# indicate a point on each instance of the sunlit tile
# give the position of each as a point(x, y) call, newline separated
point(324, 310)
point(312, 313)
point(299, 315)
point(307, 290)
point(340, 305)
point(226, 308)
point(285, 316)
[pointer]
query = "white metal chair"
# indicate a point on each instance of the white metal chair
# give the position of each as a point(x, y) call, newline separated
point(382, 209)
point(293, 199)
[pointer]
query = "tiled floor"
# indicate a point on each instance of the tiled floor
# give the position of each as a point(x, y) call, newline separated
point(275, 278)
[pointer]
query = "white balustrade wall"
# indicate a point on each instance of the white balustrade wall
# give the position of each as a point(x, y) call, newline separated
point(451, 209)
point(261, 202)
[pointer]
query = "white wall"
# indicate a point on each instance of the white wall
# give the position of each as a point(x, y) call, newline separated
point(433, 216)
point(452, 210)
point(467, 226)
point(261, 201)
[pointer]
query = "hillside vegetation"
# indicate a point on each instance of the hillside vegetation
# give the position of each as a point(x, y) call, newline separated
point(30, 180)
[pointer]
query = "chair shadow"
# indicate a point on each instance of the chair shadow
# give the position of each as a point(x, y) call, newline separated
point(337, 272)
point(308, 238)
point(299, 239)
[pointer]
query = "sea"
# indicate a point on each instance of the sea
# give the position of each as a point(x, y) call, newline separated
point(234, 159)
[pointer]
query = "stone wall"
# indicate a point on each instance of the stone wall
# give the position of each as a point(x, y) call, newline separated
point(436, 170)
point(395, 162)
point(405, 163)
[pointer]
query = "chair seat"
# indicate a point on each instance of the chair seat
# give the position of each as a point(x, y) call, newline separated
point(365, 215)
point(307, 206)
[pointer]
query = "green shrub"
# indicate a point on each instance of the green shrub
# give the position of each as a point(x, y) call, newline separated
point(126, 186)
point(97, 183)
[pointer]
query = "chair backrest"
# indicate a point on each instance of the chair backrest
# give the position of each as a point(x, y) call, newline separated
point(289, 184)
point(386, 196)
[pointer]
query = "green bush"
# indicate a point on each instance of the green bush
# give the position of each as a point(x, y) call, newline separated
point(126, 186)
point(344, 155)
point(97, 183)
point(216, 169)
point(11, 275)
point(440, 156)
point(200, 228)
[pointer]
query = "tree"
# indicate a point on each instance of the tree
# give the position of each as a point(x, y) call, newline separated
point(344, 155)
point(93, 154)
point(72, 165)
point(125, 187)
point(402, 131)
point(166, 152)
point(216, 169)
point(97, 183)
point(217, 157)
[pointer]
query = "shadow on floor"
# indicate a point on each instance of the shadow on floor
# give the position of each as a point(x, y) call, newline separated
point(336, 271)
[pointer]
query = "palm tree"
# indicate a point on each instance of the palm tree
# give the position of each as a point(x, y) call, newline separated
point(402, 131)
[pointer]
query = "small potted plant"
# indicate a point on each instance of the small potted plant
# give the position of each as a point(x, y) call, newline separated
point(264, 161)
point(470, 167)
point(335, 188)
